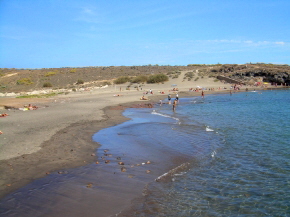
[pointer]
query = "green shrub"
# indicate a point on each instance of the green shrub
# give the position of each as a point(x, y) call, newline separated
point(175, 76)
point(122, 80)
point(80, 81)
point(189, 75)
point(50, 74)
point(106, 83)
point(38, 95)
point(25, 81)
point(140, 79)
point(47, 84)
point(73, 70)
point(196, 79)
point(157, 78)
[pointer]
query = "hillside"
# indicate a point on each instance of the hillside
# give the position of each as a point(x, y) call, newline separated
point(20, 80)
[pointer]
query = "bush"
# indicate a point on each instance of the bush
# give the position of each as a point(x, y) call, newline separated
point(122, 80)
point(80, 81)
point(25, 81)
point(50, 74)
point(73, 71)
point(140, 79)
point(196, 79)
point(106, 83)
point(157, 78)
point(47, 84)
point(189, 75)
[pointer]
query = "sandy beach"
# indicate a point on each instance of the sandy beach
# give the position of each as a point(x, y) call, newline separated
point(58, 135)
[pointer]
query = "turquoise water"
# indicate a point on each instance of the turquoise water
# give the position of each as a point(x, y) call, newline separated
point(238, 153)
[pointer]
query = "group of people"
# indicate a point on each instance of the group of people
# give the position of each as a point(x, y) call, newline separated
point(174, 102)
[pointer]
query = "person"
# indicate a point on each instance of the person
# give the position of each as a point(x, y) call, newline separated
point(177, 97)
point(174, 104)
point(169, 99)
point(143, 98)
point(202, 94)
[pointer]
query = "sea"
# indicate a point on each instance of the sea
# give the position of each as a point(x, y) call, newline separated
point(221, 155)
point(237, 149)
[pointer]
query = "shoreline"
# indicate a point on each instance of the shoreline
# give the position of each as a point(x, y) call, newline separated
point(77, 149)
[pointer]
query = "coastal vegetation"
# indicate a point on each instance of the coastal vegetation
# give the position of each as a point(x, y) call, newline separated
point(50, 74)
point(40, 95)
point(24, 81)
point(18, 80)
point(47, 84)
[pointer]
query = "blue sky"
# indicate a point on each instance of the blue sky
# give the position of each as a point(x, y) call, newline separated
point(60, 33)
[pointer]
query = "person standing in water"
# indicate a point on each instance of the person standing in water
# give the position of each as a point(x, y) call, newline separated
point(202, 94)
point(169, 99)
point(174, 105)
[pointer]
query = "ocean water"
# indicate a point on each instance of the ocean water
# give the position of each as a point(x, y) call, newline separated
point(224, 155)
point(236, 151)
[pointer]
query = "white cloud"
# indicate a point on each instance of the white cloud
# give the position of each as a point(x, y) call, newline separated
point(245, 42)
point(280, 42)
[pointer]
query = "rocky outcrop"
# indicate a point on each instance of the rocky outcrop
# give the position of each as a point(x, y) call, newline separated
point(248, 73)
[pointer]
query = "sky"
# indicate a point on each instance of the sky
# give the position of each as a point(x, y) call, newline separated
point(73, 33)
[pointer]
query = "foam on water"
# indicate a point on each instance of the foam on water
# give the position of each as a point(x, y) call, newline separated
point(164, 115)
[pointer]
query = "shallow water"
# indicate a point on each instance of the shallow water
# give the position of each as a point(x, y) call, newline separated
point(240, 144)
point(225, 155)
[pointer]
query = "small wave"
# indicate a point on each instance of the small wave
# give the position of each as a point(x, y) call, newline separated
point(177, 171)
point(213, 154)
point(163, 115)
point(208, 129)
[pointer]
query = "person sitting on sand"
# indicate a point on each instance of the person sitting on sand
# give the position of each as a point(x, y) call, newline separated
point(32, 107)
point(143, 98)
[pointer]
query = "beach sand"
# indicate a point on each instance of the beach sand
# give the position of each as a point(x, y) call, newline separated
point(58, 135)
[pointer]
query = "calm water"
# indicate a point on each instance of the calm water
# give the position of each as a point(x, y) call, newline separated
point(237, 150)
point(225, 155)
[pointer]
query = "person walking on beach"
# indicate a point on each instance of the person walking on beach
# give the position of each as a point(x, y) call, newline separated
point(169, 99)
point(174, 105)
